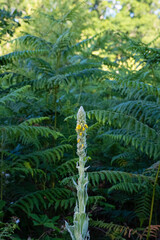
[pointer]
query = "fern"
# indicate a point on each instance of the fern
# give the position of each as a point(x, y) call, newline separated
point(153, 232)
point(34, 121)
point(20, 54)
point(50, 155)
point(139, 86)
point(111, 176)
point(14, 96)
point(115, 228)
point(39, 199)
point(45, 80)
point(67, 168)
point(143, 206)
point(33, 42)
point(120, 158)
point(147, 146)
point(127, 187)
point(80, 45)
point(122, 119)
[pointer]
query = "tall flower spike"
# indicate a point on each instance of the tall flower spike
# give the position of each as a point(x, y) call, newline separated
point(79, 230)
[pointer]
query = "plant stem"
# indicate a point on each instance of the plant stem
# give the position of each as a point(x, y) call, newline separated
point(81, 187)
point(79, 231)
point(152, 203)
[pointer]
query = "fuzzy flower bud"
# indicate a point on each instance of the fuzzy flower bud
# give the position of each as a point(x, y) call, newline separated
point(81, 132)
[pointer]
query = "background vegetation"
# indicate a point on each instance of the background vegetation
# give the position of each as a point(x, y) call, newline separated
point(55, 57)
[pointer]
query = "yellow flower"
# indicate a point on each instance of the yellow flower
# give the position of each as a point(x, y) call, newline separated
point(78, 140)
point(80, 134)
point(78, 127)
point(86, 125)
point(82, 145)
point(83, 129)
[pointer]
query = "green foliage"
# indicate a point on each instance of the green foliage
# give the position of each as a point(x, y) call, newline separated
point(45, 221)
point(111, 176)
point(115, 230)
point(7, 230)
point(51, 70)
point(8, 23)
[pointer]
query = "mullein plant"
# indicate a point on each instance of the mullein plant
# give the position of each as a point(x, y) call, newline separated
point(79, 230)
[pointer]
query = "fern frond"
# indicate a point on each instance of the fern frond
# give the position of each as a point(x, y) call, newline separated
point(50, 155)
point(118, 119)
point(121, 119)
point(39, 199)
point(148, 146)
point(128, 187)
point(143, 110)
point(67, 168)
point(139, 85)
point(154, 231)
point(86, 74)
point(90, 74)
point(26, 169)
point(28, 134)
point(111, 176)
point(31, 121)
point(120, 157)
point(143, 204)
point(15, 95)
point(79, 66)
point(111, 227)
point(13, 81)
point(8, 58)
point(39, 66)
point(33, 42)
point(81, 45)
point(142, 51)
point(62, 42)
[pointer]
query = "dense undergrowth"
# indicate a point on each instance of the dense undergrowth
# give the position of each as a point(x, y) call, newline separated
point(43, 83)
